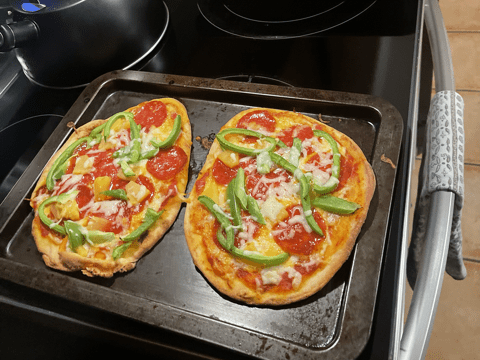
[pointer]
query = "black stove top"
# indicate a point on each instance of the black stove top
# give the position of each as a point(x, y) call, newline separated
point(373, 50)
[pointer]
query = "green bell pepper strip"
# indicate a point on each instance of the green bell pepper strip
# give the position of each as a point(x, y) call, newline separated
point(61, 160)
point(122, 152)
point(240, 188)
point(74, 233)
point(296, 172)
point(151, 216)
point(127, 170)
point(307, 211)
point(304, 190)
point(280, 161)
point(280, 143)
point(254, 210)
point(241, 149)
point(234, 205)
point(295, 152)
point(148, 154)
point(335, 205)
point(222, 219)
point(116, 193)
point(77, 235)
point(62, 198)
point(253, 257)
point(114, 118)
point(177, 127)
point(60, 171)
point(98, 130)
point(136, 144)
point(95, 237)
point(332, 183)
point(119, 250)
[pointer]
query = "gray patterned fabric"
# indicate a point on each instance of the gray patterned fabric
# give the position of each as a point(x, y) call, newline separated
point(441, 169)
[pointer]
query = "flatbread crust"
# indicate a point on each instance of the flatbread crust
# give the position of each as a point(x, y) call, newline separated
point(221, 268)
point(55, 251)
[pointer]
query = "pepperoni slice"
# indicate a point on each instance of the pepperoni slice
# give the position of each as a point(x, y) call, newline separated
point(222, 173)
point(167, 163)
point(153, 113)
point(260, 117)
point(200, 183)
point(293, 238)
point(347, 168)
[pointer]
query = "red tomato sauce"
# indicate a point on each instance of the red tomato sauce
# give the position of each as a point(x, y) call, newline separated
point(260, 117)
point(222, 173)
point(167, 163)
point(302, 242)
point(302, 132)
point(153, 113)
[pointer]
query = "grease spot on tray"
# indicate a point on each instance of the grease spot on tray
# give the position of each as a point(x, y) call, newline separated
point(206, 141)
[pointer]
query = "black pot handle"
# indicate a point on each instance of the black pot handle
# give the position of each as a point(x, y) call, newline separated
point(17, 35)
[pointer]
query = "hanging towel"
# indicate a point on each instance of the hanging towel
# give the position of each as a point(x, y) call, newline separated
point(441, 169)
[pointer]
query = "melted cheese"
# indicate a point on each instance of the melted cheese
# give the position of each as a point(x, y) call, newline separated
point(68, 181)
point(83, 165)
point(273, 275)
point(299, 219)
point(263, 243)
point(136, 193)
point(266, 182)
point(212, 190)
point(271, 208)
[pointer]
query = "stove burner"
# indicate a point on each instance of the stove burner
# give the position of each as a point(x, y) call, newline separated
point(279, 19)
point(255, 79)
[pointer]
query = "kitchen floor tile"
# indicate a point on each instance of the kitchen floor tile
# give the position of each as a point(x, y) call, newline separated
point(465, 49)
point(472, 125)
point(461, 15)
point(471, 215)
point(456, 330)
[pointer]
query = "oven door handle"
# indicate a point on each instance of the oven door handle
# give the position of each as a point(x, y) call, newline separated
point(420, 319)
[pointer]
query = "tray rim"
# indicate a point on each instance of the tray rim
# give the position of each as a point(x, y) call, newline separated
point(39, 279)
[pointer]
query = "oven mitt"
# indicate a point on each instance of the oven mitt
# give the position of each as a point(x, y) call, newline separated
point(441, 169)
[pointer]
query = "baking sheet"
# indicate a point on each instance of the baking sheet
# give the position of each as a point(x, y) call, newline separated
point(165, 289)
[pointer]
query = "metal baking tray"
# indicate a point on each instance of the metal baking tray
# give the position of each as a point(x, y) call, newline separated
point(165, 289)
